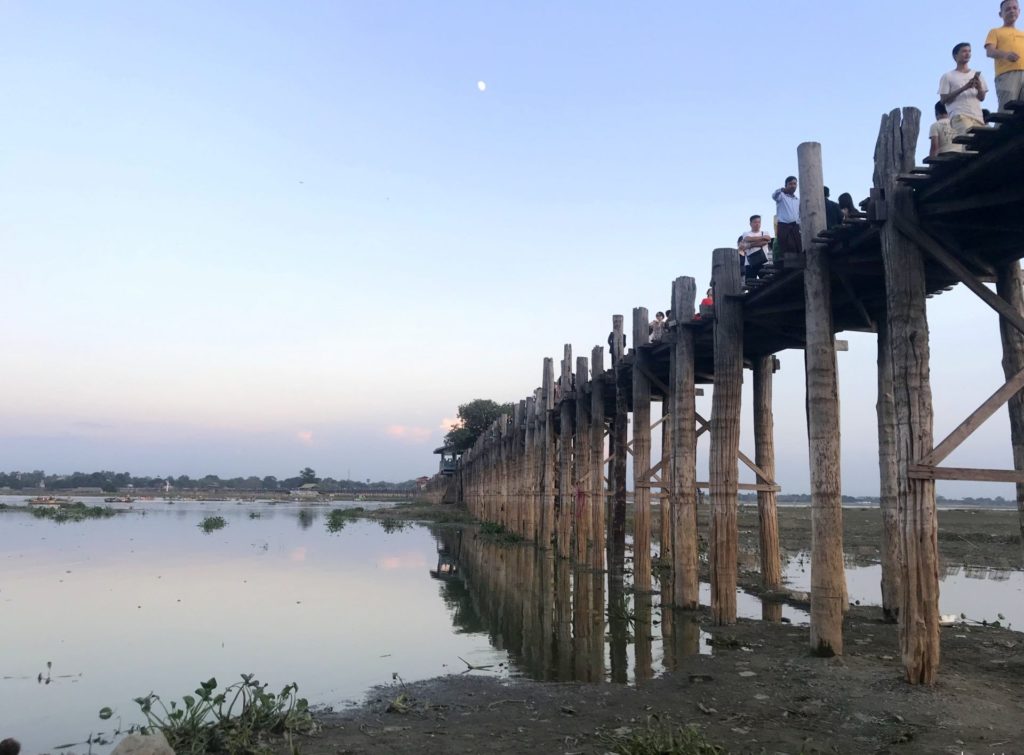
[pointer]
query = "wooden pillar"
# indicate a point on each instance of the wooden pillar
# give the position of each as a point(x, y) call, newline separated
point(565, 476)
point(887, 475)
point(520, 469)
point(725, 434)
point(547, 500)
point(827, 577)
point(908, 346)
point(641, 456)
point(764, 457)
point(664, 498)
point(530, 482)
point(617, 521)
point(582, 517)
point(1008, 286)
point(683, 464)
point(599, 501)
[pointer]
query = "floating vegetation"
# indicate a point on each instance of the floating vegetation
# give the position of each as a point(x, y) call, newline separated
point(211, 523)
point(339, 518)
point(75, 512)
point(658, 738)
point(394, 525)
point(242, 718)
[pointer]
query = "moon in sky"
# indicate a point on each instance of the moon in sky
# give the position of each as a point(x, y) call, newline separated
point(482, 86)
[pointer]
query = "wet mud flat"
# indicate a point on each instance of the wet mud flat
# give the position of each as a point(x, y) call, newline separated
point(760, 690)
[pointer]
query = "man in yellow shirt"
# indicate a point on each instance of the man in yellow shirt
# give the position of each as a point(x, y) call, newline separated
point(1005, 44)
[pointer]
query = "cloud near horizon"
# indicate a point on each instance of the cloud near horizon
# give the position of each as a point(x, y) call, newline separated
point(409, 433)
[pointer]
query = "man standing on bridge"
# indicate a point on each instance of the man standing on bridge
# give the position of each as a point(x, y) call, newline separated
point(1006, 45)
point(962, 92)
point(787, 212)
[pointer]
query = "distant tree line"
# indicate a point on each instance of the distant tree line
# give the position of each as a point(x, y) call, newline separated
point(111, 482)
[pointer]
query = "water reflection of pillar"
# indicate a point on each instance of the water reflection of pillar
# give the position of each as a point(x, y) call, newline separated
point(547, 609)
point(618, 626)
point(597, 617)
point(642, 636)
point(563, 619)
point(771, 611)
point(685, 635)
point(581, 624)
point(667, 622)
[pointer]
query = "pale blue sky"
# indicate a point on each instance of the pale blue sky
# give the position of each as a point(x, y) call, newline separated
point(240, 238)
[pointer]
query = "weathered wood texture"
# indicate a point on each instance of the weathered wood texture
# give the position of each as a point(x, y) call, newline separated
point(547, 503)
point(725, 434)
point(682, 469)
point(582, 517)
point(620, 429)
point(566, 498)
point(641, 457)
point(827, 575)
point(887, 473)
point(908, 345)
point(764, 456)
point(597, 447)
point(1008, 286)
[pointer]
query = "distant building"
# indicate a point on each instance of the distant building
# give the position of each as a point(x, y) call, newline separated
point(309, 490)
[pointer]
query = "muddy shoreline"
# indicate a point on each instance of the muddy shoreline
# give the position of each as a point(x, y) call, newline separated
point(761, 690)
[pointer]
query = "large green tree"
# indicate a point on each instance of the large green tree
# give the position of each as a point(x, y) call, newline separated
point(474, 418)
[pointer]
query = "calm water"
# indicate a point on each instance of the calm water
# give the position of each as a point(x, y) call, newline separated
point(149, 602)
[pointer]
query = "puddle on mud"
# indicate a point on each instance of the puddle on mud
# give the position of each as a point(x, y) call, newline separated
point(134, 604)
point(980, 593)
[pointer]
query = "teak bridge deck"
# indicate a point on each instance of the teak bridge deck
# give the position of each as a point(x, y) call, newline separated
point(959, 219)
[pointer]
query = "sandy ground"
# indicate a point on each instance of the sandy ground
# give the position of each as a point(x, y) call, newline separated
point(761, 691)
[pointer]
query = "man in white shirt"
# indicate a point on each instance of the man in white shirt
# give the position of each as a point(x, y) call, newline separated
point(755, 246)
point(962, 91)
point(787, 212)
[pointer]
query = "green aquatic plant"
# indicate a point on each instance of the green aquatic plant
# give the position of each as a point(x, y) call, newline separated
point(243, 718)
point(211, 523)
point(75, 512)
point(339, 518)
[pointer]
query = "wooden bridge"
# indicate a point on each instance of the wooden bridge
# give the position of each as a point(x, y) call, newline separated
point(555, 471)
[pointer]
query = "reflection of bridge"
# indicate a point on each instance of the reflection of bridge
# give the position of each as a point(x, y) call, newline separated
point(556, 621)
point(540, 471)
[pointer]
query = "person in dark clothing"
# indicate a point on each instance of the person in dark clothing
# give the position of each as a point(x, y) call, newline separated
point(611, 345)
point(833, 215)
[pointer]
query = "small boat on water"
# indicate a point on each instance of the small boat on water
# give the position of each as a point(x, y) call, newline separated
point(119, 499)
point(49, 500)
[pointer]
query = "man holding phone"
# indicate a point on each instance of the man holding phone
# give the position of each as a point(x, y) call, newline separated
point(962, 91)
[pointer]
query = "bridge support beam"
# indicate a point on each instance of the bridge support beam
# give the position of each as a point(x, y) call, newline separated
point(599, 498)
point(581, 515)
point(565, 441)
point(547, 456)
point(764, 457)
point(828, 592)
point(887, 474)
point(641, 458)
point(682, 468)
point(617, 520)
point(725, 433)
point(909, 352)
point(1008, 286)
